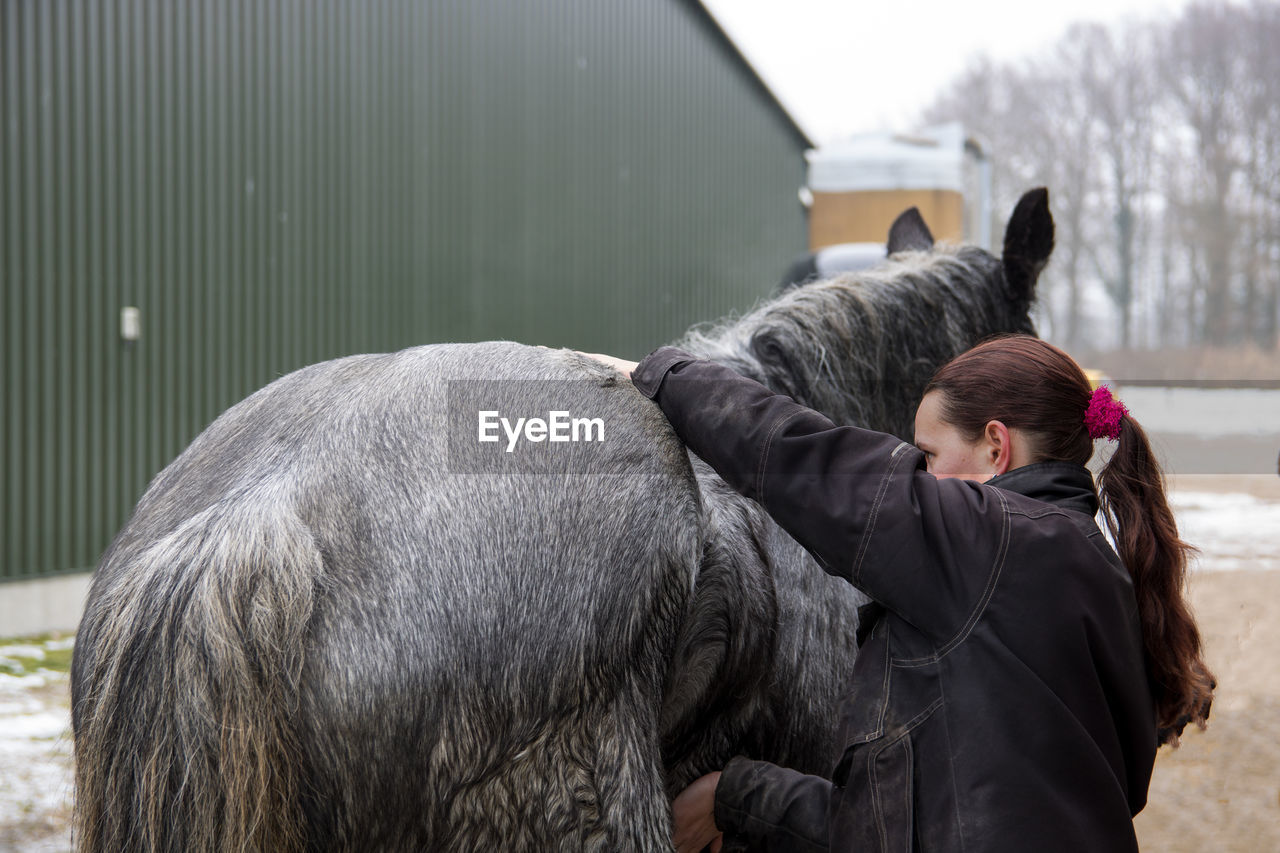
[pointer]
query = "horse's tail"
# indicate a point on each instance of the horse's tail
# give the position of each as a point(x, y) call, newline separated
point(186, 687)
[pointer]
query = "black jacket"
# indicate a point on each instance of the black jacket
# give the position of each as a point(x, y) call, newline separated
point(1000, 702)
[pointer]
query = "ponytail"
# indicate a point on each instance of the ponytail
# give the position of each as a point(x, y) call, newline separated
point(1131, 491)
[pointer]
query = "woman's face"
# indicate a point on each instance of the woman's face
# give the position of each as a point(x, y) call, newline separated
point(947, 453)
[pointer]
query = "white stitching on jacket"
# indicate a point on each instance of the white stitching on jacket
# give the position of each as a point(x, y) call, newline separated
point(878, 750)
point(997, 567)
point(856, 570)
point(768, 446)
point(994, 578)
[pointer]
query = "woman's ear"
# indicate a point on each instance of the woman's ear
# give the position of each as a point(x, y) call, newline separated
point(998, 447)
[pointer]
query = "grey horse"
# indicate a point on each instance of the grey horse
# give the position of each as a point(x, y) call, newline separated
point(379, 605)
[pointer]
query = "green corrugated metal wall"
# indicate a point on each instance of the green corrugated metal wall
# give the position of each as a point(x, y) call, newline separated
point(278, 183)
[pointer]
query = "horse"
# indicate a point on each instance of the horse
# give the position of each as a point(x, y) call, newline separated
point(363, 611)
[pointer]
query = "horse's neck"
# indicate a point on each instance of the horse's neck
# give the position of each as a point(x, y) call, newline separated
point(730, 351)
point(805, 383)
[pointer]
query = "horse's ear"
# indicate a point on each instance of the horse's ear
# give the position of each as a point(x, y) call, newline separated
point(909, 233)
point(1028, 242)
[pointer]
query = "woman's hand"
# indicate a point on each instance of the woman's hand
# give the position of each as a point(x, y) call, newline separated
point(621, 365)
point(693, 813)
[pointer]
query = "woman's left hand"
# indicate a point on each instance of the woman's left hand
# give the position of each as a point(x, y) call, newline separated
point(621, 365)
point(693, 816)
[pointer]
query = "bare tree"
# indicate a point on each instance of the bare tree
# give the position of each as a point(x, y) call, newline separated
point(1261, 99)
point(1200, 69)
point(1119, 92)
point(1059, 106)
point(1161, 143)
point(1001, 105)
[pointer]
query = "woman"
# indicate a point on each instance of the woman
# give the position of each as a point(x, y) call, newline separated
point(1017, 675)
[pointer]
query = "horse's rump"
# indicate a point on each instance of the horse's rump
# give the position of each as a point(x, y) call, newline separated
point(470, 633)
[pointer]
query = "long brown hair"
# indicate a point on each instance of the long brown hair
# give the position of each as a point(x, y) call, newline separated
point(1035, 387)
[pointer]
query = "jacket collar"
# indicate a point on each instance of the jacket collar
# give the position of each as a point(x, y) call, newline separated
point(1063, 484)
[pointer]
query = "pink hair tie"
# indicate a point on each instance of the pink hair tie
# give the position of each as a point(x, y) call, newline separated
point(1104, 414)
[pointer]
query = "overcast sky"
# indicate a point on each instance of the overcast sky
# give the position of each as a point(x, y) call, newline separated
point(846, 66)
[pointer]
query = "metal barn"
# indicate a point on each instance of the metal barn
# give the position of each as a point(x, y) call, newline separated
point(198, 197)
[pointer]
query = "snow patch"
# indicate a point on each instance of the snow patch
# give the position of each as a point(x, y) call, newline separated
point(1232, 530)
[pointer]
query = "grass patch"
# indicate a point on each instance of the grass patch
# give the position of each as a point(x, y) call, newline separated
point(29, 655)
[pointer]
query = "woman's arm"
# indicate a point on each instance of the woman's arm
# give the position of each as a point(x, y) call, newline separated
point(859, 501)
point(756, 804)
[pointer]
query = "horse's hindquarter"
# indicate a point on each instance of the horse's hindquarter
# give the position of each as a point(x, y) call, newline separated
point(489, 647)
point(416, 643)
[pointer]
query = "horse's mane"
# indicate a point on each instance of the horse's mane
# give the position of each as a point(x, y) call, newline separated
point(860, 347)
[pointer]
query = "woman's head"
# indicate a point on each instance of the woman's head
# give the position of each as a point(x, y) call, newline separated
point(1033, 399)
point(1016, 391)
point(952, 452)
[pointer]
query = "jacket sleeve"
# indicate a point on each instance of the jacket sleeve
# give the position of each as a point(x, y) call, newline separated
point(761, 806)
point(859, 501)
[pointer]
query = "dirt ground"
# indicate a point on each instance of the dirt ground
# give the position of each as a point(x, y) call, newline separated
point(1220, 790)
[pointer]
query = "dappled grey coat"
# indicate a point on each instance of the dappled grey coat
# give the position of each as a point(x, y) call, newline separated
point(340, 621)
